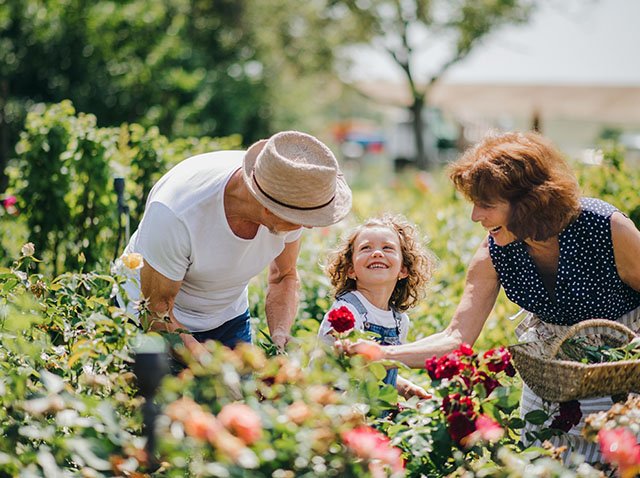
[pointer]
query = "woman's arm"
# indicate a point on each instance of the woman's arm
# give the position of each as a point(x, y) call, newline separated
point(478, 298)
point(626, 249)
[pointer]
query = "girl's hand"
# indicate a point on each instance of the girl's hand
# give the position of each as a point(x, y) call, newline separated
point(407, 389)
point(368, 349)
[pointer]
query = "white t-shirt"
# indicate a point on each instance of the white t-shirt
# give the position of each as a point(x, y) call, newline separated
point(375, 316)
point(184, 235)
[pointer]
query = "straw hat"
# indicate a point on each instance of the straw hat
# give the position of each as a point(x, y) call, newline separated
point(297, 178)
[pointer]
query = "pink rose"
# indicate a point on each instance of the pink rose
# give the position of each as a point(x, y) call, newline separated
point(620, 448)
point(242, 421)
point(488, 429)
point(370, 444)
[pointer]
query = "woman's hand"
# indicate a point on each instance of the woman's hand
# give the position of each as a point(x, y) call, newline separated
point(368, 349)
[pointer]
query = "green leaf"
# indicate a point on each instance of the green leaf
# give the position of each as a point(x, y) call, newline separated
point(536, 417)
point(516, 423)
point(378, 370)
point(507, 398)
point(388, 394)
point(9, 285)
point(174, 340)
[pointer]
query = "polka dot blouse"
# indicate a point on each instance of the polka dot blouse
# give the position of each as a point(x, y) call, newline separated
point(588, 285)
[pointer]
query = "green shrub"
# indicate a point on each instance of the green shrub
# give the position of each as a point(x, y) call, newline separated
point(63, 179)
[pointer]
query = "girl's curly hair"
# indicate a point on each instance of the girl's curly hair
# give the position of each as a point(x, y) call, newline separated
point(419, 261)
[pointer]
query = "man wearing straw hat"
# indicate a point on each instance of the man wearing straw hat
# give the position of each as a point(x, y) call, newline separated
point(218, 219)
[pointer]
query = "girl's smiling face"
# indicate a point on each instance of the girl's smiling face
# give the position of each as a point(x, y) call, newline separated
point(494, 217)
point(377, 257)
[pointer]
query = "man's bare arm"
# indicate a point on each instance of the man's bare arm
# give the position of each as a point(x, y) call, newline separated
point(281, 302)
point(161, 294)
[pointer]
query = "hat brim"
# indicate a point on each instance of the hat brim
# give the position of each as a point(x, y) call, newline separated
point(330, 214)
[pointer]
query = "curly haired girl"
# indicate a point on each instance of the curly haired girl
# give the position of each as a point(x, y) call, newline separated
point(377, 273)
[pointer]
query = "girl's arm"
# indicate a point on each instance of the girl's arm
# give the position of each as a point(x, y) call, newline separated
point(407, 389)
point(478, 298)
point(626, 249)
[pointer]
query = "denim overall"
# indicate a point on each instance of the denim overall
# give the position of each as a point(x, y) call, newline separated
point(388, 335)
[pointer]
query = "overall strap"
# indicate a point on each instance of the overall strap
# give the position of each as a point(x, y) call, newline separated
point(397, 316)
point(352, 299)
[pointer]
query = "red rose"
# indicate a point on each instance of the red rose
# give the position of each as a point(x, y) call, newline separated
point(449, 366)
point(460, 426)
point(430, 365)
point(499, 360)
point(465, 349)
point(489, 383)
point(569, 415)
point(341, 319)
point(454, 402)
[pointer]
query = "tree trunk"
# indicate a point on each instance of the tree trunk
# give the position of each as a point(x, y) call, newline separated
point(4, 136)
point(422, 161)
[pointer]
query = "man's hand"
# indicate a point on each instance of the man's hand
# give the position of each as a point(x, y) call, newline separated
point(280, 338)
point(281, 301)
point(195, 348)
point(162, 293)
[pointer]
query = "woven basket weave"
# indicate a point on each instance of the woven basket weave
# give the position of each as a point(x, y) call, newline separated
point(557, 380)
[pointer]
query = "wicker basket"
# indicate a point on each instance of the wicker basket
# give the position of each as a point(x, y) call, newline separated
point(557, 380)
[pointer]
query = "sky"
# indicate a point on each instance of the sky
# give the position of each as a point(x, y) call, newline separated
point(590, 42)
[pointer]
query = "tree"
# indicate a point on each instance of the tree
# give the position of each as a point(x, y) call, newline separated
point(405, 28)
point(189, 67)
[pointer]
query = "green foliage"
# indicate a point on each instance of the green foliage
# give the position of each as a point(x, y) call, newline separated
point(168, 64)
point(63, 180)
point(614, 181)
point(188, 68)
point(66, 388)
point(70, 405)
point(63, 184)
point(69, 402)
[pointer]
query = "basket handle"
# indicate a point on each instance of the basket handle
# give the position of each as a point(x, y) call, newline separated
point(612, 324)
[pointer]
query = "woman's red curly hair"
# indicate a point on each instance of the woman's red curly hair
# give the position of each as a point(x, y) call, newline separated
point(529, 172)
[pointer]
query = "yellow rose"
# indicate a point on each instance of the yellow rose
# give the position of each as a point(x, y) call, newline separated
point(133, 260)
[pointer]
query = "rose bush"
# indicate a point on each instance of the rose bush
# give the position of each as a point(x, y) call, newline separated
point(70, 405)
